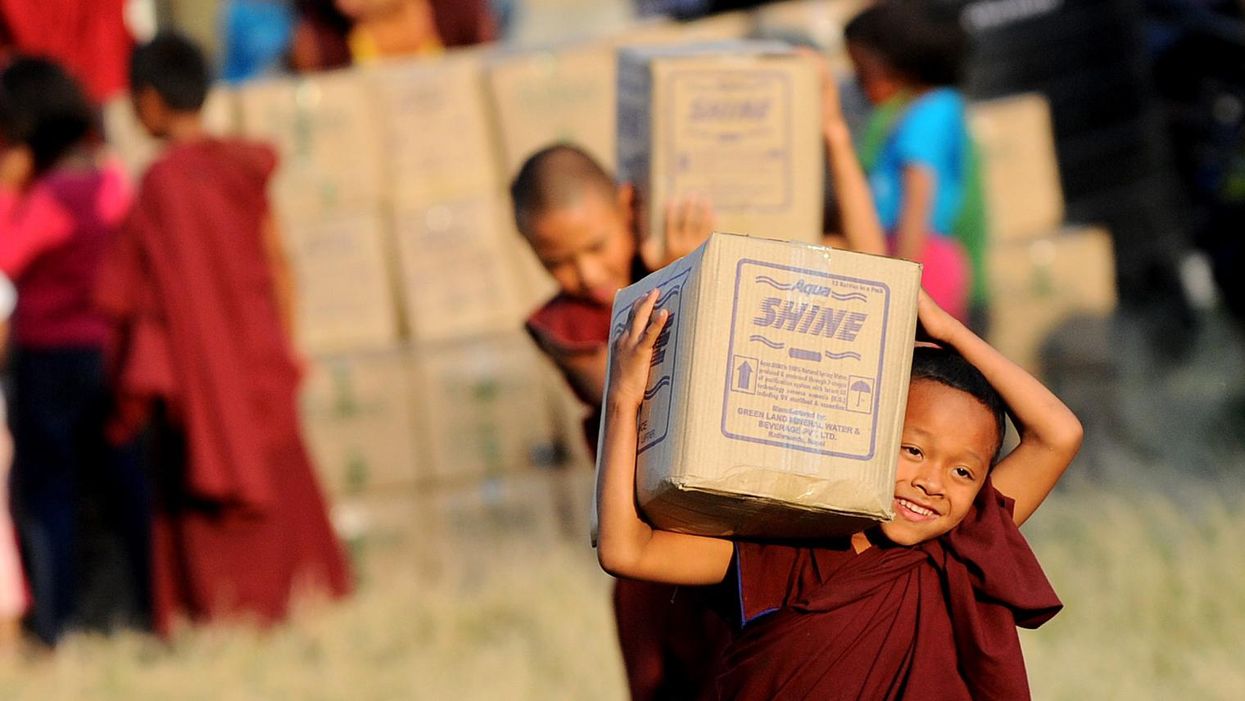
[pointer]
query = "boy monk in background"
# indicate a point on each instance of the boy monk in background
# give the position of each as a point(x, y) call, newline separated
point(201, 355)
point(580, 224)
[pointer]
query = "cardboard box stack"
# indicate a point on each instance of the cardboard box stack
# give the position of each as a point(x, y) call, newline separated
point(1041, 271)
point(736, 121)
point(327, 195)
point(778, 388)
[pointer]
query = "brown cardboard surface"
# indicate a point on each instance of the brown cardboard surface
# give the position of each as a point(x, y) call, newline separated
point(777, 391)
point(1038, 283)
point(1020, 172)
point(343, 295)
point(458, 277)
point(358, 423)
point(327, 132)
point(563, 94)
point(483, 408)
point(437, 139)
point(737, 121)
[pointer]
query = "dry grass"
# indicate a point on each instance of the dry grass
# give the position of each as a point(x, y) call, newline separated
point(480, 598)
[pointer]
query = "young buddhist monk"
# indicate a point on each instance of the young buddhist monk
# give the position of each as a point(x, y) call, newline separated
point(201, 355)
point(581, 226)
point(921, 607)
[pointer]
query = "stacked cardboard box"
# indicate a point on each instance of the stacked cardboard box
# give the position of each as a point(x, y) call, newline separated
point(777, 390)
point(736, 121)
point(484, 408)
point(327, 194)
point(819, 22)
point(357, 419)
point(1040, 271)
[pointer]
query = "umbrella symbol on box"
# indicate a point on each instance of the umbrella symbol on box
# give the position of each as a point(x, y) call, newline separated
point(863, 389)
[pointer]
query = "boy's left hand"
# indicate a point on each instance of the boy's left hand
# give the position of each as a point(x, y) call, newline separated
point(632, 353)
point(936, 322)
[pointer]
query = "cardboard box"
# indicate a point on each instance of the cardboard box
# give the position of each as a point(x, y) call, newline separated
point(327, 134)
point(1037, 284)
point(778, 389)
point(436, 134)
point(819, 22)
point(1020, 172)
point(357, 421)
point(737, 121)
point(343, 292)
point(130, 142)
point(458, 278)
point(483, 408)
point(556, 95)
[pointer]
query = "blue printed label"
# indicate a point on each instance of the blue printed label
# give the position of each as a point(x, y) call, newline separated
point(804, 364)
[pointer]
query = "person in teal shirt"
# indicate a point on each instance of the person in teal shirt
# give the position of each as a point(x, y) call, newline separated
point(916, 148)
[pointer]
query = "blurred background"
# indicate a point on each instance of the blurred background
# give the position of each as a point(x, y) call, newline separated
point(1112, 135)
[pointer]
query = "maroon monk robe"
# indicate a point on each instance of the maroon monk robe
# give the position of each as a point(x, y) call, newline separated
point(934, 621)
point(189, 289)
point(671, 638)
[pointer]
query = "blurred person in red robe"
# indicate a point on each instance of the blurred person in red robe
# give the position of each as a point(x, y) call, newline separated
point(88, 37)
point(198, 297)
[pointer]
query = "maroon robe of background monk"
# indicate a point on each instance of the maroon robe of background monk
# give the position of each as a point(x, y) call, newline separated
point(200, 355)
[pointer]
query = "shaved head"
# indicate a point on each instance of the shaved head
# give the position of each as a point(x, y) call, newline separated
point(553, 178)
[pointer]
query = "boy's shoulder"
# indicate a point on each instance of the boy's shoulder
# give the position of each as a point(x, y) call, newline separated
point(937, 104)
point(210, 156)
point(570, 325)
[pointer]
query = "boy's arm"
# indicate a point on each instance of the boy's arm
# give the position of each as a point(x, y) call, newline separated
point(1050, 434)
point(919, 185)
point(857, 214)
point(689, 221)
point(282, 280)
point(626, 545)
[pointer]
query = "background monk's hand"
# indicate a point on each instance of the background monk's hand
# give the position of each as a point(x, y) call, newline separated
point(633, 352)
point(689, 221)
point(17, 167)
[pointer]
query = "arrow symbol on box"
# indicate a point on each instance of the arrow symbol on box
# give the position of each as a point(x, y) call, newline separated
point(745, 375)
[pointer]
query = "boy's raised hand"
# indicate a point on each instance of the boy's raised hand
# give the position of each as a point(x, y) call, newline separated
point(633, 351)
point(689, 221)
point(934, 320)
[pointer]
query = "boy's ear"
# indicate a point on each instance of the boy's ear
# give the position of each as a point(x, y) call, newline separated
point(627, 204)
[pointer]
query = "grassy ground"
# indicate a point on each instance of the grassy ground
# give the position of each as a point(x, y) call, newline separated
point(493, 601)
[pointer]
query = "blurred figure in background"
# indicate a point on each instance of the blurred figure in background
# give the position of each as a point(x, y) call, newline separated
point(60, 207)
point(335, 33)
point(916, 148)
point(255, 36)
point(580, 224)
point(88, 37)
point(198, 296)
point(13, 598)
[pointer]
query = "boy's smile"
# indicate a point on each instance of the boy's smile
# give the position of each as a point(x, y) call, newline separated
point(948, 440)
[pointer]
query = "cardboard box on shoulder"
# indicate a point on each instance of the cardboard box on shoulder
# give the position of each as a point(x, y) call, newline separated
point(777, 392)
point(736, 121)
point(563, 94)
point(357, 420)
point(436, 134)
point(1020, 172)
point(327, 135)
point(483, 408)
point(1038, 283)
point(343, 297)
point(436, 245)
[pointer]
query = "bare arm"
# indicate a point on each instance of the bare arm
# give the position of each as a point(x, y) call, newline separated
point(862, 230)
point(919, 185)
point(1050, 434)
point(282, 280)
point(626, 545)
point(689, 221)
